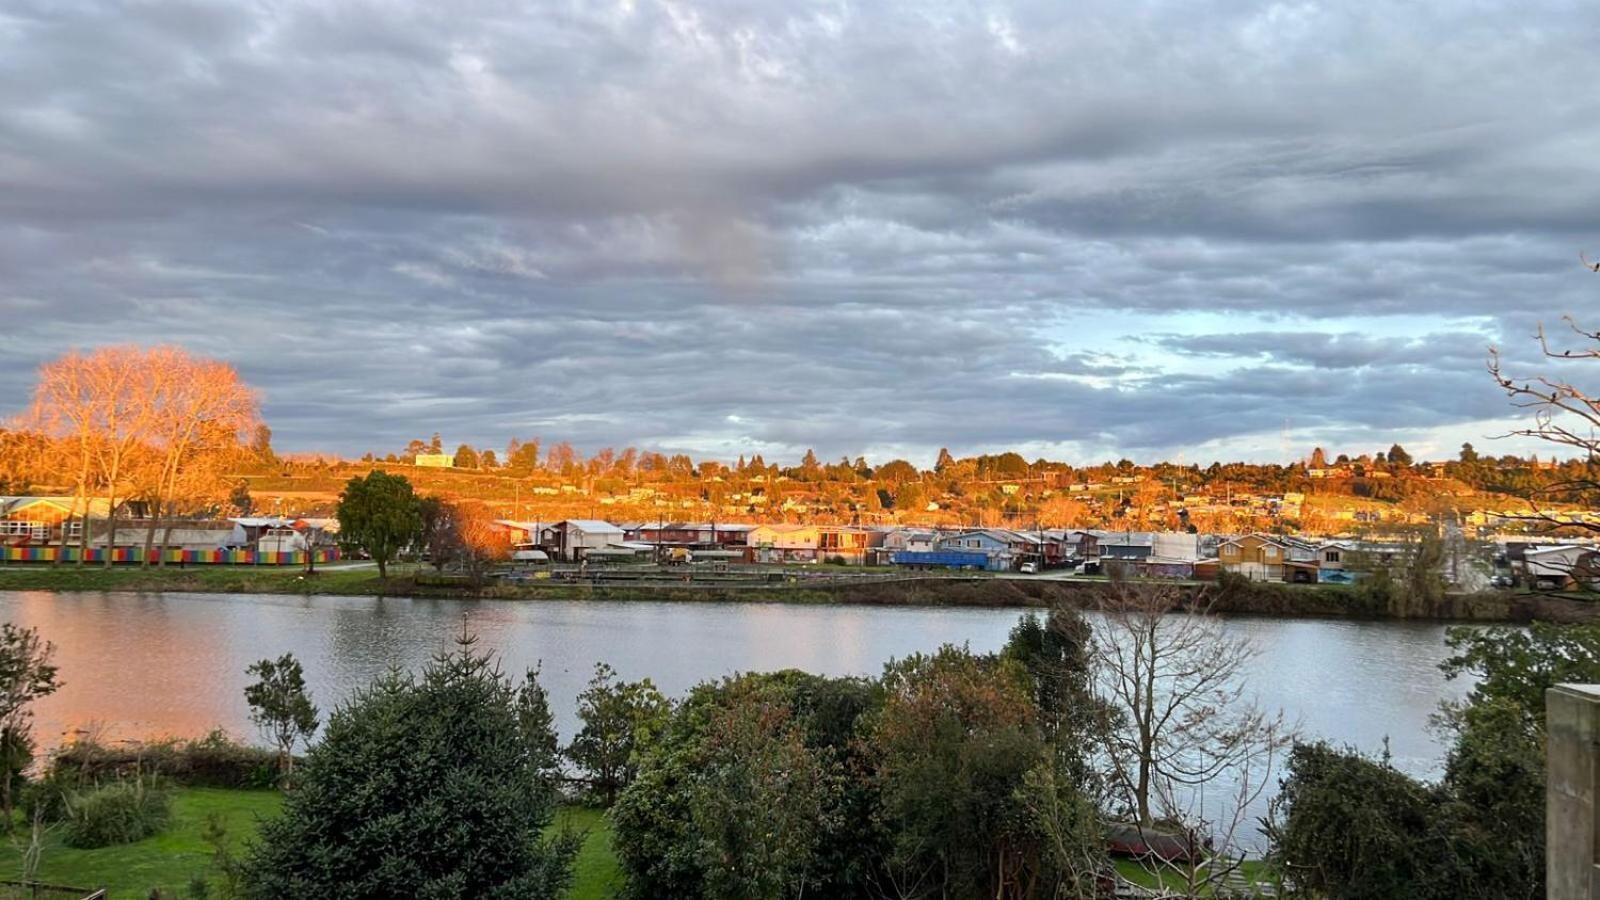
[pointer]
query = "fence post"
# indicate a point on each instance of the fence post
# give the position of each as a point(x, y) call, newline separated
point(1572, 863)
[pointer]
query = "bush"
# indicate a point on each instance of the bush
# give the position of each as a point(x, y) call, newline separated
point(119, 813)
point(429, 786)
point(215, 760)
point(46, 799)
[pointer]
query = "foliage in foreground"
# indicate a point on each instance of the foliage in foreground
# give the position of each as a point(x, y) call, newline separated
point(1349, 828)
point(935, 780)
point(425, 787)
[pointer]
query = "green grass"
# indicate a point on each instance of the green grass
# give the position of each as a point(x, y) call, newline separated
point(1252, 870)
point(170, 859)
point(167, 860)
point(596, 875)
point(329, 579)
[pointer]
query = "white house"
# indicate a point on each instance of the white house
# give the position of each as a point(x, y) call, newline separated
point(572, 539)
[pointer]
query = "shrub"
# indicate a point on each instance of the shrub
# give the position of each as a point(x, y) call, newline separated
point(215, 760)
point(118, 813)
point(46, 798)
point(422, 786)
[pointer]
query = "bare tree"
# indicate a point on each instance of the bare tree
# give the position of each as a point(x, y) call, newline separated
point(199, 409)
point(1563, 414)
point(62, 411)
point(1185, 749)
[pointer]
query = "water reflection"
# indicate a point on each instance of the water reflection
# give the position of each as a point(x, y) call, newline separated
point(143, 665)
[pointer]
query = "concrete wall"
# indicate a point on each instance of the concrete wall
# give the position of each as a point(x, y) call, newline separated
point(1572, 712)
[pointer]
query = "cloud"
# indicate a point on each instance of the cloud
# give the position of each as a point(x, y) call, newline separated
point(1104, 230)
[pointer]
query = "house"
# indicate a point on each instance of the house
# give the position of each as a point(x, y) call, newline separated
point(1563, 565)
point(845, 543)
point(37, 521)
point(999, 547)
point(901, 540)
point(518, 533)
point(572, 539)
point(1258, 557)
point(435, 461)
point(783, 543)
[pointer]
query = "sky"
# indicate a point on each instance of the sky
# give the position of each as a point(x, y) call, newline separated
point(1187, 230)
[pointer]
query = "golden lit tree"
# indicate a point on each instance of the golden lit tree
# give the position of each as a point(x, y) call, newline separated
point(201, 411)
point(131, 420)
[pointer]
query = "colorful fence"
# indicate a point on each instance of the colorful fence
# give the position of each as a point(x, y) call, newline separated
point(136, 555)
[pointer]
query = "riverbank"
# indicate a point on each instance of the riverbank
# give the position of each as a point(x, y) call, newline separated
point(171, 859)
point(1235, 597)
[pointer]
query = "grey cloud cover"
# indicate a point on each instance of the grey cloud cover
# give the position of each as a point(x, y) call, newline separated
point(1101, 228)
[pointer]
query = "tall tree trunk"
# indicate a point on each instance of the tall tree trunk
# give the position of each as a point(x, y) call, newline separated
point(150, 532)
point(83, 539)
point(166, 540)
point(111, 526)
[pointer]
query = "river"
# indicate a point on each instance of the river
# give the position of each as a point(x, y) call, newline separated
point(143, 665)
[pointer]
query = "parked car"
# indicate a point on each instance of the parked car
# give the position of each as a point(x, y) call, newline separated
point(1029, 568)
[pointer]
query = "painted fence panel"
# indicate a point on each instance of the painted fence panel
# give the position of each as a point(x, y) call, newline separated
point(173, 556)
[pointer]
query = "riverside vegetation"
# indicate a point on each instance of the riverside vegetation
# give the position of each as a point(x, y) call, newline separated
point(952, 773)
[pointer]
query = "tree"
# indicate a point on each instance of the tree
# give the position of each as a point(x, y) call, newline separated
point(488, 460)
point(379, 513)
point(440, 531)
point(482, 541)
point(420, 787)
point(1564, 414)
point(761, 804)
point(1180, 721)
point(1344, 826)
point(1517, 665)
point(200, 409)
point(959, 753)
point(239, 498)
point(537, 725)
point(261, 445)
point(944, 461)
point(1398, 456)
point(754, 788)
point(95, 404)
point(896, 471)
point(1319, 459)
point(466, 457)
point(523, 458)
point(618, 718)
point(1350, 828)
point(280, 706)
point(1468, 454)
point(26, 674)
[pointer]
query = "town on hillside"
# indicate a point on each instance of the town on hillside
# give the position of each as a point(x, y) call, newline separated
point(1317, 521)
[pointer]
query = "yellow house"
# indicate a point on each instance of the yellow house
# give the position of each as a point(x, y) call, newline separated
point(1258, 557)
point(784, 543)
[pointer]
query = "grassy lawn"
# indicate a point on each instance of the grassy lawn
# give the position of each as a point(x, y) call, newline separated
point(1254, 871)
point(596, 875)
point(171, 858)
point(167, 860)
point(240, 579)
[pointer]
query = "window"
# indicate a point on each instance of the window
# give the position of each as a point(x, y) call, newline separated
point(1331, 556)
point(1272, 552)
point(38, 531)
point(1230, 550)
point(974, 543)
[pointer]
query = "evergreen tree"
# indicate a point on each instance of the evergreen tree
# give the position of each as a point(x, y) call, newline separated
point(380, 514)
point(429, 786)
